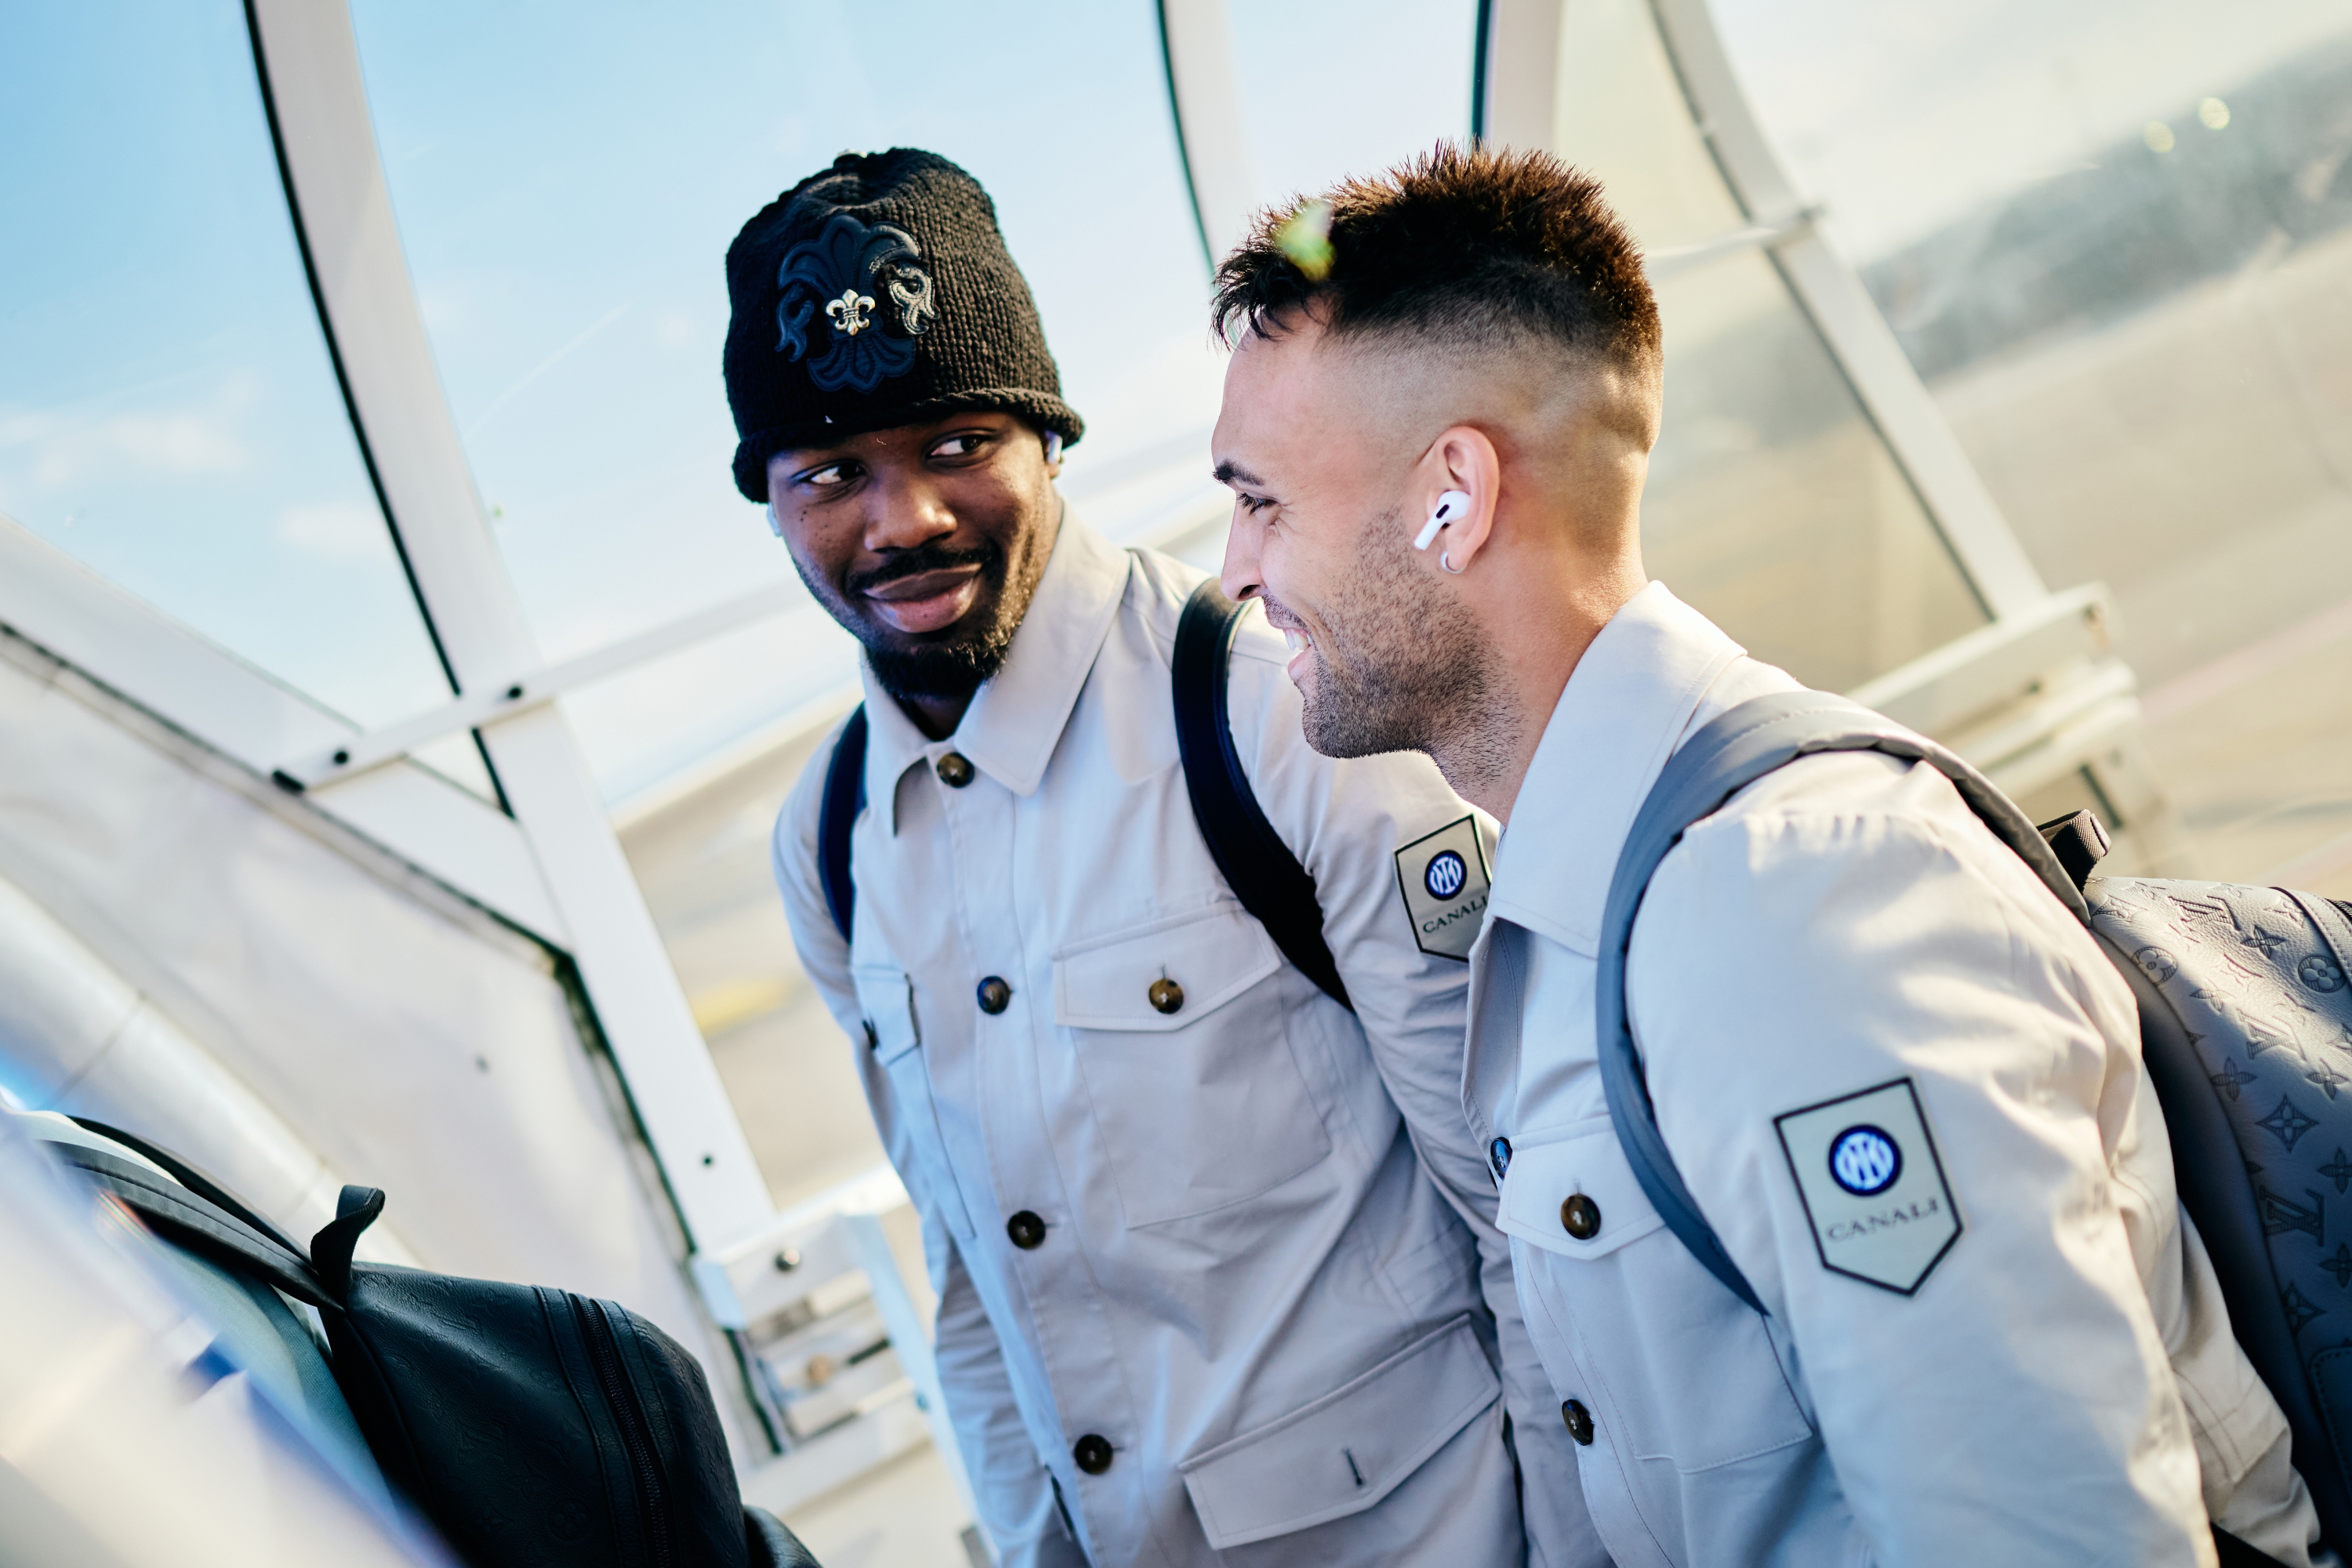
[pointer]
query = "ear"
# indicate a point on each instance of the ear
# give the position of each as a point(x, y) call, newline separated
point(1461, 459)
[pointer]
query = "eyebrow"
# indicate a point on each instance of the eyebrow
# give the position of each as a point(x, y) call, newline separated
point(1230, 472)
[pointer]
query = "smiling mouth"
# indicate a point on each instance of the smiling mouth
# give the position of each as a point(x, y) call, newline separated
point(925, 602)
point(1293, 632)
point(1301, 645)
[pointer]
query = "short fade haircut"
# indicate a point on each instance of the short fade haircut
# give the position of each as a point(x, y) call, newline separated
point(1476, 247)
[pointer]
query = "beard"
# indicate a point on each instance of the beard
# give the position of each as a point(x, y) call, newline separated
point(1392, 670)
point(954, 662)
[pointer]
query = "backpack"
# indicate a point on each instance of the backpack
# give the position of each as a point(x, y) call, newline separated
point(2238, 987)
point(1259, 868)
point(532, 1427)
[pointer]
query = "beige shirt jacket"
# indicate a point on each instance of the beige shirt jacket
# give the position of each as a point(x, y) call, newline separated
point(2016, 1353)
point(1200, 1300)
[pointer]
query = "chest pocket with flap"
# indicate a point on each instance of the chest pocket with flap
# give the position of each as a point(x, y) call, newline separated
point(1193, 1082)
point(886, 998)
point(1690, 1372)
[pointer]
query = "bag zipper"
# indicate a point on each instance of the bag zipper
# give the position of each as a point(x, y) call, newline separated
point(621, 1395)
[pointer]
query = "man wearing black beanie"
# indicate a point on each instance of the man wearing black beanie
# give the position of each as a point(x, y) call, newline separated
point(1218, 1281)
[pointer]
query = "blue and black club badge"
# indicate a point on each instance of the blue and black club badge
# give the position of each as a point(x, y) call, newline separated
point(855, 299)
point(1444, 878)
point(1873, 1185)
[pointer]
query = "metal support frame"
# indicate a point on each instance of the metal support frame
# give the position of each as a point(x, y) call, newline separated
point(2036, 694)
point(459, 840)
point(1859, 339)
point(309, 62)
point(532, 690)
point(1521, 70)
point(1518, 72)
point(1196, 42)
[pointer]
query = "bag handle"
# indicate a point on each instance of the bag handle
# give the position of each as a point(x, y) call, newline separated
point(189, 1220)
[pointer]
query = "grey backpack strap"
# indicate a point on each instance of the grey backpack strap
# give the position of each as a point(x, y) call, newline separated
point(1732, 751)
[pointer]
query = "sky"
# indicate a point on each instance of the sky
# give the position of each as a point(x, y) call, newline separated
point(577, 313)
point(167, 411)
point(566, 178)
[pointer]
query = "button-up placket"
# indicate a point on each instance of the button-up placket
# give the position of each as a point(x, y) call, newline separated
point(1633, 697)
point(997, 1067)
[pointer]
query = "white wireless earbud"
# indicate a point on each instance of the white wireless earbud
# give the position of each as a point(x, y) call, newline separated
point(1053, 446)
point(775, 524)
point(1450, 508)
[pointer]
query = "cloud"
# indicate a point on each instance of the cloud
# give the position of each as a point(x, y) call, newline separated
point(333, 530)
point(64, 449)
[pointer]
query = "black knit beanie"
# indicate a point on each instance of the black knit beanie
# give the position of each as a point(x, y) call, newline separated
point(878, 292)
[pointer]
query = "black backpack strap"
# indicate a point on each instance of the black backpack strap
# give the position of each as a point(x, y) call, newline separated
point(1255, 863)
point(191, 1221)
point(192, 1178)
point(1730, 752)
point(836, 813)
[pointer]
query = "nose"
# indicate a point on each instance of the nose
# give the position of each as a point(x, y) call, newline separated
point(904, 509)
point(1240, 577)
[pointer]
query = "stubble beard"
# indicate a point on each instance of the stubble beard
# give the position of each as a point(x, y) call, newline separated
point(1397, 668)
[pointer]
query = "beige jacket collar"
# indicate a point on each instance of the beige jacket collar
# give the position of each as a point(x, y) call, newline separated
point(1623, 711)
point(1016, 720)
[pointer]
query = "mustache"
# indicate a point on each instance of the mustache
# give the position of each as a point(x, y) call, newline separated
point(1278, 613)
point(924, 557)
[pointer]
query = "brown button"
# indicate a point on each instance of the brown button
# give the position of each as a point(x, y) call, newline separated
point(1092, 1452)
point(995, 995)
point(1166, 994)
point(955, 769)
point(1580, 1216)
point(1028, 1231)
point(1579, 1421)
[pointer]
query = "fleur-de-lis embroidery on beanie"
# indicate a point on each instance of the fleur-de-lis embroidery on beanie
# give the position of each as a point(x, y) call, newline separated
point(848, 266)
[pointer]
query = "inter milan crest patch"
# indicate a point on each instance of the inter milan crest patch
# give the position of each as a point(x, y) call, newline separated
point(861, 295)
point(1444, 881)
point(1873, 1185)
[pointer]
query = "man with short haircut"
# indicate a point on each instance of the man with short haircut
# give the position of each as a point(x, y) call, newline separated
point(1199, 1301)
point(2060, 1384)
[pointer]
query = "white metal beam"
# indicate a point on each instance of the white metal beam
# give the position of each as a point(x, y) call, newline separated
point(127, 646)
point(345, 759)
point(1663, 264)
point(1196, 40)
point(1520, 73)
point(344, 212)
point(534, 688)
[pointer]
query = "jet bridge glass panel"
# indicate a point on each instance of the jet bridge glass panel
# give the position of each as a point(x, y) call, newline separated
point(2122, 261)
point(567, 182)
point(169, 416)
point(1773, 504)
point(1329, 92)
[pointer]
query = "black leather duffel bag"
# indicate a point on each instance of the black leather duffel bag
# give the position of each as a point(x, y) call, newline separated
point(532, 1427)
